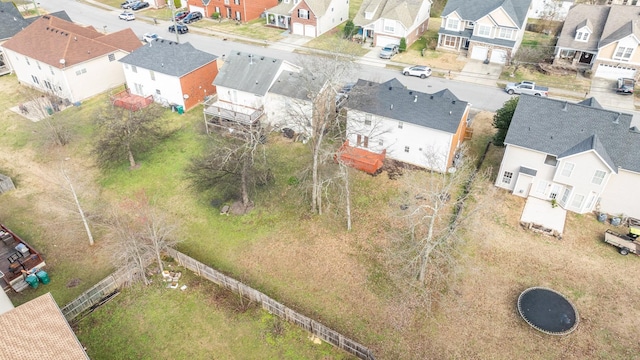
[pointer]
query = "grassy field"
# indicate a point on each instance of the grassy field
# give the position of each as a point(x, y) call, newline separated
point(310, 262)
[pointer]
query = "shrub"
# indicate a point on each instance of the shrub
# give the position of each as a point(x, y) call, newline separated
point(403, 45)
point(215, 16)
point(349, 29)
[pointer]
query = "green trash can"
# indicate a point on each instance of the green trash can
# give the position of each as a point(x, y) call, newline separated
point(43, 277)
point(32, 280)
point(180, 109)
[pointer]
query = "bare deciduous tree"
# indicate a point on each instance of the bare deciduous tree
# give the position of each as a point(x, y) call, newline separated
point(124, 133)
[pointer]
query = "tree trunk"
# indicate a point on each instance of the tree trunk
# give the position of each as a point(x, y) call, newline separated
point(316, 191)
point(348, 195)
point(428, 246)
point(82, 216)
point(243, 181)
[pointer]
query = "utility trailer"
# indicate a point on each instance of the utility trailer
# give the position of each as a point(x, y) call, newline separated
point(625, 243)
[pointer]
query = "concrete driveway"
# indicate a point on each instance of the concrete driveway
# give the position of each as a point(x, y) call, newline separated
point(604, 91)
point(476, 71)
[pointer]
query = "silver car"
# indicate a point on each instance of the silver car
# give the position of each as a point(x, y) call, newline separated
point(388, 51)
point(418, 70)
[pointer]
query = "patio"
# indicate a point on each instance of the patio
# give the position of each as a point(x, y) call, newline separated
point(539, 215)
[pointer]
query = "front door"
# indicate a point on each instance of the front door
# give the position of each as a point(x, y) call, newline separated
point(555, 191)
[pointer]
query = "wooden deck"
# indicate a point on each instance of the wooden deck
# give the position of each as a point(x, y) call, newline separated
point(16, 259)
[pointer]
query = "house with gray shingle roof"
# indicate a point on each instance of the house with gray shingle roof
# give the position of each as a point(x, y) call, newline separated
point(242, 85)
point(70, 61)
point(417, 128)
point(487, 30)
point(580, 155)
point(385, 22)
point(602, 38)
point(310, 18)
point(12, 23)
point(170, 72)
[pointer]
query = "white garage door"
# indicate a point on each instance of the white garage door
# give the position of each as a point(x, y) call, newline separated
point(479, 53)
point(298, 29)
point(498, 56)
point(614, 72)
point(310, 30)
point(386, 40)
point(196, 8)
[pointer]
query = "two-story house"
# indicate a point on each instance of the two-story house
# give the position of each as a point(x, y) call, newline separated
point(413, 127)
point(488, 30)
point(385, 22)
point(68, 60)
point(602, 38)
point(239, 10)
point(170, 72)
point(242, 85)
point(12, 23)
point(578, 154)
point(308, 17)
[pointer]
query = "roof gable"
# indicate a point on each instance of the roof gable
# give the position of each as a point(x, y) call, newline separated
point(60, 43)
point(168, 57)
point(620, 23)
point(441, 111)
point(473, 10)
point(13, 22)
point(404, 11)
point(562, 128)
point(302, 86)
point(579, 16)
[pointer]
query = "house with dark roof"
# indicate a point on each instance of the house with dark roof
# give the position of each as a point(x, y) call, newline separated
point(486, 30)
point(385, 22)
point(310, 18)
point(602, 38)
point(40, 319)
point(70, 61)
point(171, 73)
point(417, 128)
point(12, 23)
point(578, 155)
point(242, 85)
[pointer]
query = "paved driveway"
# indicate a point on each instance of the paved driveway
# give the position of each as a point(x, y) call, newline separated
point(476, 71)
point(604, 91)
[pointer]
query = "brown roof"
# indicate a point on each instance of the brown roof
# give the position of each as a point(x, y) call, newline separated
point(37, 330)
point(51, 39)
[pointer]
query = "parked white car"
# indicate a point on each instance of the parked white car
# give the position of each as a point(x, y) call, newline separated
point(421, 71)
point(148, 37)
point(127, 16)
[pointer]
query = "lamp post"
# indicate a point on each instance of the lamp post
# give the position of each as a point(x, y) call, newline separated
point(173, 18)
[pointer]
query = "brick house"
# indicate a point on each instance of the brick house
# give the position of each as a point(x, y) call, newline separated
point(240, 10)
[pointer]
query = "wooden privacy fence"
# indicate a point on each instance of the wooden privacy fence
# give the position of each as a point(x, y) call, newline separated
point(330, 336)
point(97, 293)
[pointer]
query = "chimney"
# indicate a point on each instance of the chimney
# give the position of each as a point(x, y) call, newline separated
point(415, 98)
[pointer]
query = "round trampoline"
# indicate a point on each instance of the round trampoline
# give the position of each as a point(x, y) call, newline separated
point(548, 311)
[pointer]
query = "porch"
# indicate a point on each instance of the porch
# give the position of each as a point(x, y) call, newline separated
point(575, 58)
point(361, 159)
point(126, 100)
point(229, 116)
point(278, 20)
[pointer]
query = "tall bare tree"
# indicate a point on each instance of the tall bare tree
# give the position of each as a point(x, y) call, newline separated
point(124, 133)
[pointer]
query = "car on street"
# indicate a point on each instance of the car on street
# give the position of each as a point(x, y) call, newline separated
point(192, 17)
point(148, 37)
point(421, 71)
point(140, 5)
point(388, 51)
point(127, 16)
point(182, 29)
point(181, 14)
point(127, 4)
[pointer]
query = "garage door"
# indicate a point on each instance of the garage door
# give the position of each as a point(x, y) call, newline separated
point(298, 29)
point(386, 40)
point(479, 53)
point(196, 8)
point(498, 56)
point(310, 30)
point(613, 72)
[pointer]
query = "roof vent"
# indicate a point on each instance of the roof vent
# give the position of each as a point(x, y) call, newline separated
point(565, 106)
point(410, 92)
point(453, 102)
point(238, 52)
point(634, 129)
point(431, 97)
point(75, 38)
point(391, 107)
point(262, 58)
point(415, 98)
point(617, 120)
point(390, 88)
point(450, 112)
point(274, 60)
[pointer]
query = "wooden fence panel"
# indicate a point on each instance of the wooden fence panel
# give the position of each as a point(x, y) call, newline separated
point(330, 336)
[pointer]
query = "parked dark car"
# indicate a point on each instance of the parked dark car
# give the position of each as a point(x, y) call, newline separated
point(140, 5)
point(181, 14)
point(625, 86)
point(192, 17)
point(182, 29)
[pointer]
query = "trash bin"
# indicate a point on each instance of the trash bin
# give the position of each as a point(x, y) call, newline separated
point(43, 277)
point(49, 110)
point(180, 109)
point(602, 217)
point(32, 280)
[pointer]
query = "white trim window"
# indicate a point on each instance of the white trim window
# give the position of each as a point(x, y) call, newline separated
point(389, 26)
point(623, 53)
point(505, 33)
point(452, 24)
point(578, 199)
point(598, 177)
point(567, 169)
point(303, 13)
point(507, 177)
point(484, 30)
point(582, 36)
point(449, 41)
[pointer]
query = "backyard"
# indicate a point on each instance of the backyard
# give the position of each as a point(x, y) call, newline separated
point(306, 261)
